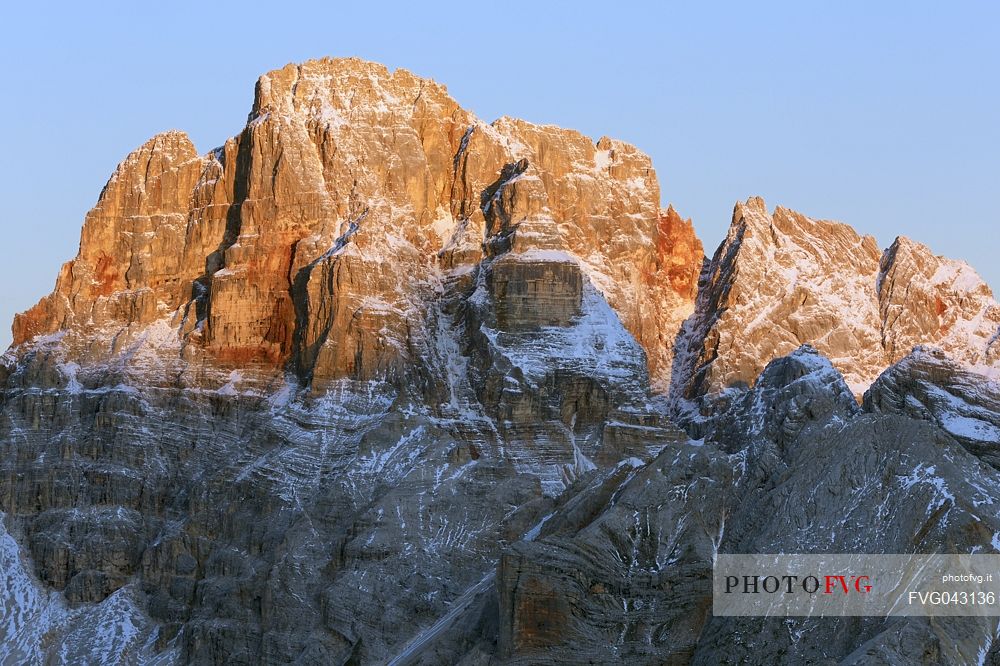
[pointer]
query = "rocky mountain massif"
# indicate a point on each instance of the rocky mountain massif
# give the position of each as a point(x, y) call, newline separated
point(780, 280)
point(378, 382)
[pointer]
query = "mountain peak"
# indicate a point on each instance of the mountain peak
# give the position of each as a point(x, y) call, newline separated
point(752, 206)
point(783, 279)
point(371, 335)
point(282, 248)
point(339, 84)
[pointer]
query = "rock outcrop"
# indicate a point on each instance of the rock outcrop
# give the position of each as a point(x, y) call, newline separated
point(296, 391)
point(621, 573)
point(780, 280)
point(286, 245)
point(378, 382)
point(928, 385)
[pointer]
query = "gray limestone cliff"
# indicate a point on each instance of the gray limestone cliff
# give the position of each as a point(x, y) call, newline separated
point(378, 382)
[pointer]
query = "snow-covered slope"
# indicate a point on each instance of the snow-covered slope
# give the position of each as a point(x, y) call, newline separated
point(929, 385)
point(38, 625)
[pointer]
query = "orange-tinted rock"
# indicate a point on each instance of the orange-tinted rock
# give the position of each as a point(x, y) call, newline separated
point(318, 238)
point(924, 298)
point(131, 267)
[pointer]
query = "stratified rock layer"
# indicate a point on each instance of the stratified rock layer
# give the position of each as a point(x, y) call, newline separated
point(377, 382)
point(293, 393)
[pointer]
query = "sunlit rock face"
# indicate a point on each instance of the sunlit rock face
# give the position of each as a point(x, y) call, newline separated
point(378, 382)
point(321, 235)
point(781, 279)
point(298, 389)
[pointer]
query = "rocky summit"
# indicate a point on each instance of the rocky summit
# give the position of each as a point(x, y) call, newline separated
point(378, 382)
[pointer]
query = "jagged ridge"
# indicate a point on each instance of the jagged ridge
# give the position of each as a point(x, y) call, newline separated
point(295, 396)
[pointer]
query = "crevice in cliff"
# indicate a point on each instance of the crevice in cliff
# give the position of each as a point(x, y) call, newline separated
point(304, 350)
point(886, 267)
point(462, 146)
point(499, 229)
point(691, 358)
point(201, 292)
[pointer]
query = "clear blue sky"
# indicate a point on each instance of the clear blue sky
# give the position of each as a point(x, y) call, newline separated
point(885, 115)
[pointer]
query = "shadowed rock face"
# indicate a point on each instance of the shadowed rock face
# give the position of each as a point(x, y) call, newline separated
point(928, 385)
point(622, 572)
point(376, 381)
point(530, 294)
